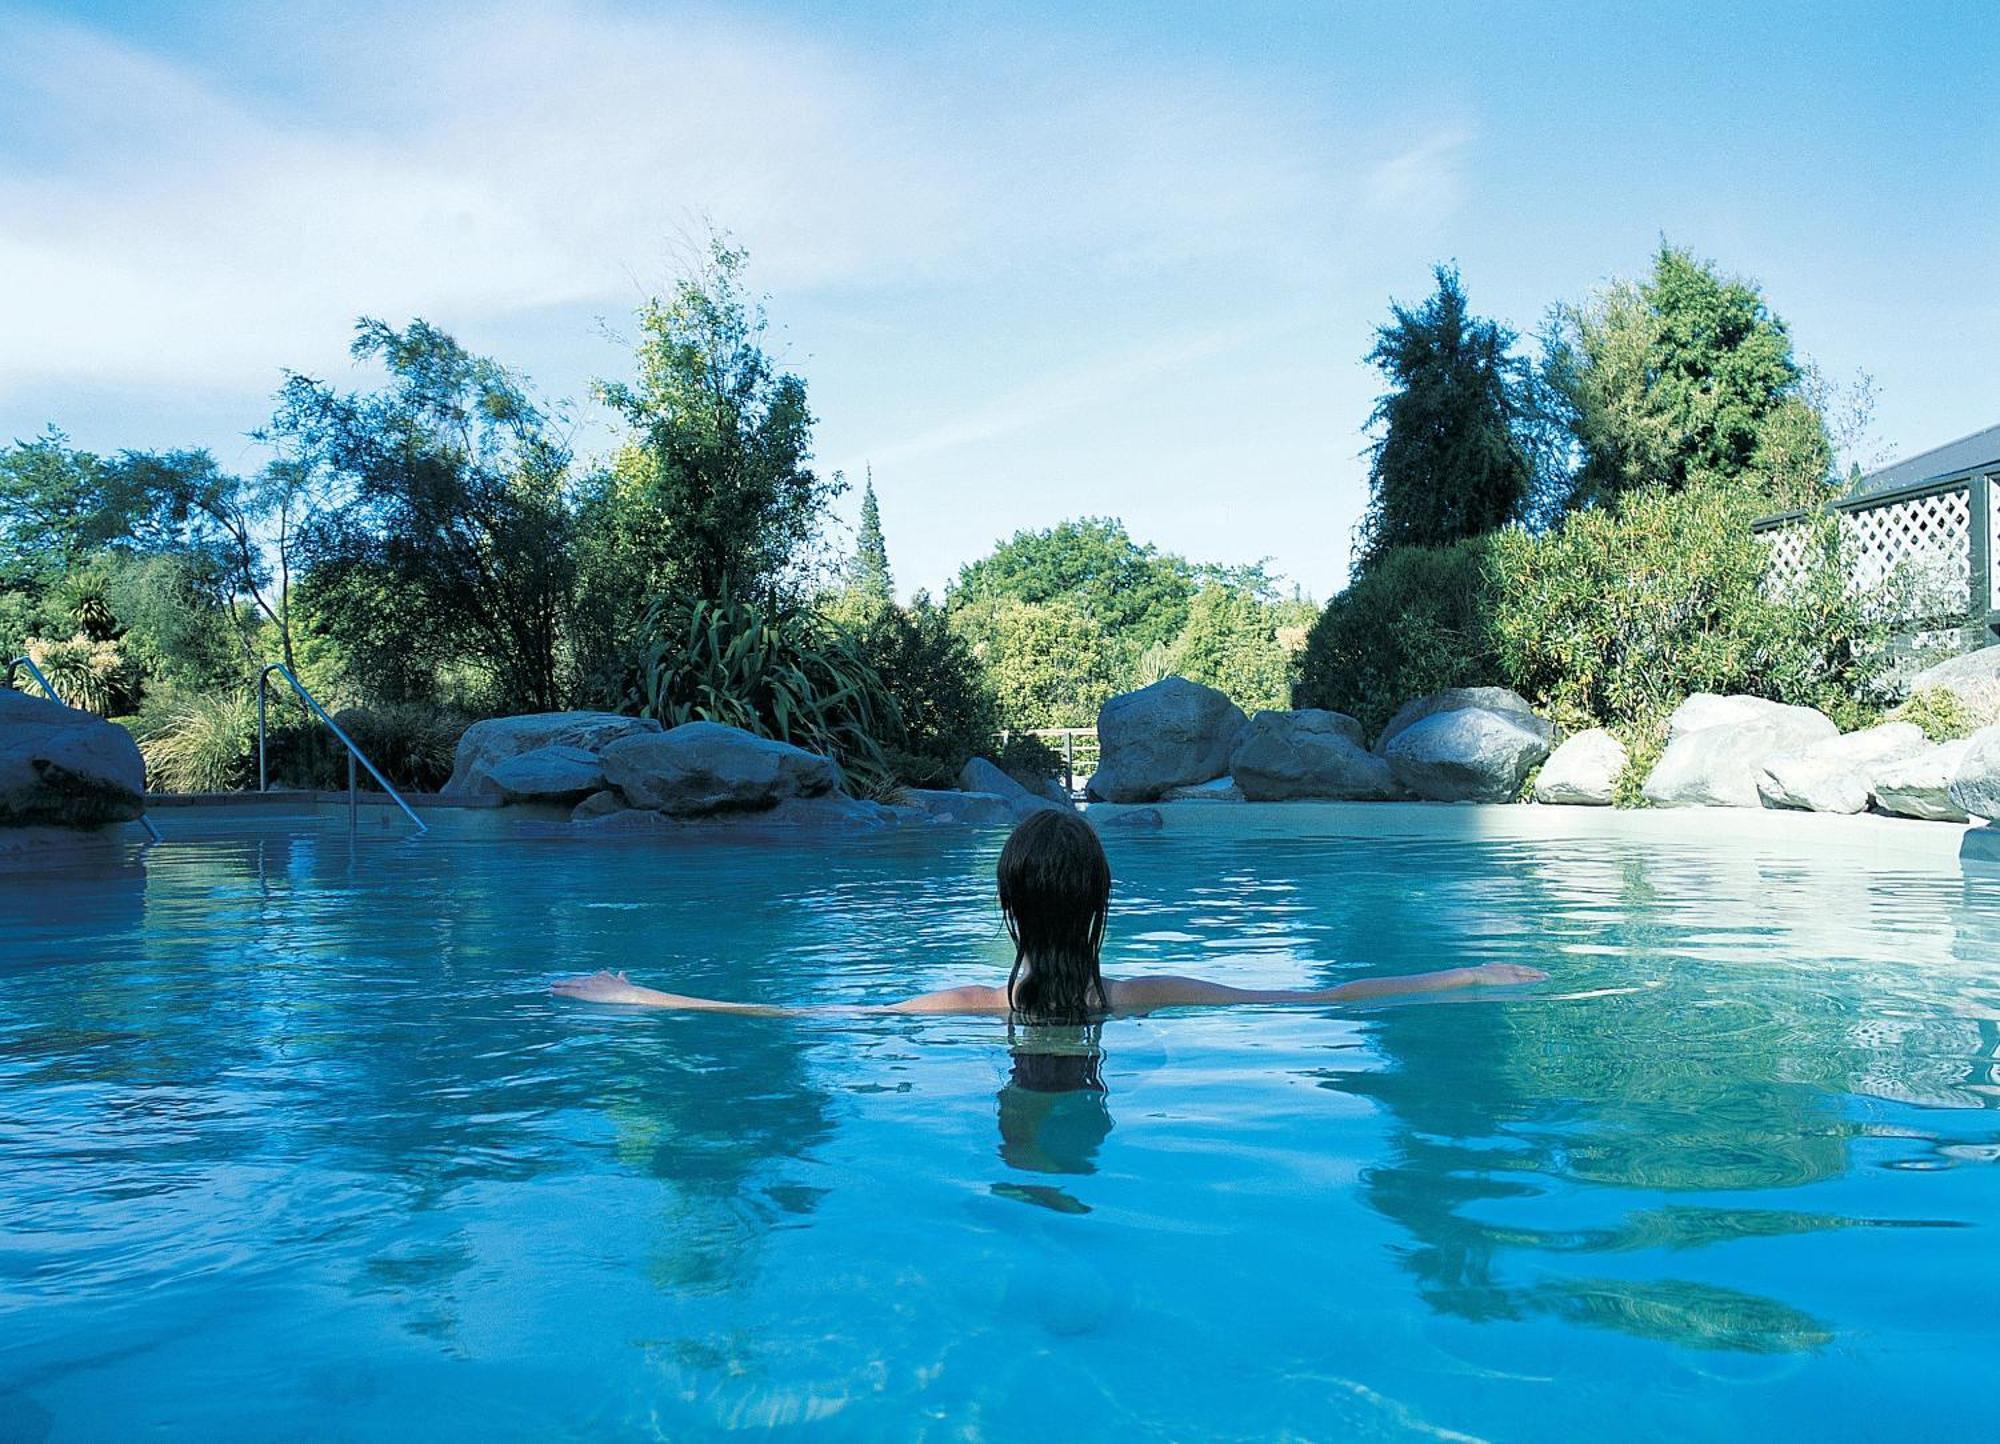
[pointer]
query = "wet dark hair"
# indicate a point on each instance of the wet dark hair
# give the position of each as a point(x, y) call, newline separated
point(1055, 892)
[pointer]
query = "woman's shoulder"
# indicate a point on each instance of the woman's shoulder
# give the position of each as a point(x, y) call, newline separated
point(971, 998)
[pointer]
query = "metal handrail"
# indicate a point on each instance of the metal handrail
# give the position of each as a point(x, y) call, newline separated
point(7, 680)
point(354, 753)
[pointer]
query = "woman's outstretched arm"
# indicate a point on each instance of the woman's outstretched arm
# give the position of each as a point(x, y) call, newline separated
point(1142, 995)
point(618, 989)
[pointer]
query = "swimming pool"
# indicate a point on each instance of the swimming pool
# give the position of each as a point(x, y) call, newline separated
point(293, 1143)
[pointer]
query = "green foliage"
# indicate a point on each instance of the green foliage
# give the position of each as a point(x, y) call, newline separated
point(1621, 613)
point(1457, 453)
point(712, 496)
point(1135, 595)
point(201, 742)
point(940, 692)
point(868, 574)
point(1415, 623)
point(1686, 378)
point(777, 673)
point(1946, 715)
point(93, 676)
point(1050, 663)
point(1024, 758)
point(454, 536)
point(1231, 643)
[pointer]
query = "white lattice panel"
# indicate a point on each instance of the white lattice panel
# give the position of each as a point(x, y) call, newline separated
point(1924, 543)
point(1785, 564)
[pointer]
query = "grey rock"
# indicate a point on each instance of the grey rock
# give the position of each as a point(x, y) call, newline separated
point(1970, 675)
point(700, 768)
point(598, 804)
point(1838, 774)
point(1709, 709)
point(1459, 699)
point(1467, 755)
point(485, 745)
point(1975, 782)
point(976, 809)
point(1175, 733)
point(980, 775)
point(556, 773)
point(1133, 819)
point(1223, 789)
point(1583, 772)
point(626, 822)
point(62, 766)
point(1308, 753)
point(1717, 748)
point(1920, 786)
point(833, 811)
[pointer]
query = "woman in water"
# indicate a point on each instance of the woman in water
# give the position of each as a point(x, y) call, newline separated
point(1055, 892)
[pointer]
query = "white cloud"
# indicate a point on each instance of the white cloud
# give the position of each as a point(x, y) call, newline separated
point(166, 229)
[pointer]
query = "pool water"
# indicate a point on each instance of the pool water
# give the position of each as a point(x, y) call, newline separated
point(295, 1144)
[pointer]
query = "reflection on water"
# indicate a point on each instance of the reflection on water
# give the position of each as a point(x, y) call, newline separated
point(296, 1116)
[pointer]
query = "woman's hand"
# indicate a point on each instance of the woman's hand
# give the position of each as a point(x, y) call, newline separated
point(599, 988)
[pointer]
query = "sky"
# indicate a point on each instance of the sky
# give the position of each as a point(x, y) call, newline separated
point(1033, 262)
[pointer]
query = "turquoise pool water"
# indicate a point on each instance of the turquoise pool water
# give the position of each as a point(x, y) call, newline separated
point(293, 1143)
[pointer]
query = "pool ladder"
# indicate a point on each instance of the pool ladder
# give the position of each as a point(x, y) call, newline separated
point(354, 753)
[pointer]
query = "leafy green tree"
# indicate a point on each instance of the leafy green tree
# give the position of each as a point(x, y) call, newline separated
point(1457, 455)
point(1137, 595)
point(452, 538)
point(1050, 664)
point(869, 574)
point(1231, 643)
point(942, 692)
point(713, 493)
point(1685, 377)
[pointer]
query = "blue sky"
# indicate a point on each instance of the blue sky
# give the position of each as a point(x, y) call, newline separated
point(1034, 262)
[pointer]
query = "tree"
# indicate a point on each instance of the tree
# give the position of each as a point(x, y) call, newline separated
point(941, 691)
point(1683, 377)
point(1050, 663)
point(712, 495)
point(1231, 643)
point(1137, 595)
point(868, 574)
point(452, 539)
point(1457, 455)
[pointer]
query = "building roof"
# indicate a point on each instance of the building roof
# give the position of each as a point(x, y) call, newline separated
point(1968, 453)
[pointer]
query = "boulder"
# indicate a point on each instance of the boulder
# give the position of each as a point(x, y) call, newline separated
point(1458, 699)
point(1583, 772)
point(1175, 733)
point(1133, 819)
point(485, 745)
point(1308, 753)
point(1920, 785)
point(1975, 782)
point(62, 766)
point(1970, 676)
point(599, 804)
point(980, 775)
point(548, 774)
point(700, 768)
point(977, 809)
point(1467, 754)
point(1837, 775)
point(1223, 789)
point(626, 822)
point(1717, 748)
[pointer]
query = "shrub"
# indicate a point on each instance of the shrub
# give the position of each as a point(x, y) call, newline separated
point(1231, 643)
point(940, 692)
point(1023, 757)
point(92, 676)
point(777, 673)
point(1415, 623)
point(201, 742)
point(1946, 715)
point(1618, 614)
